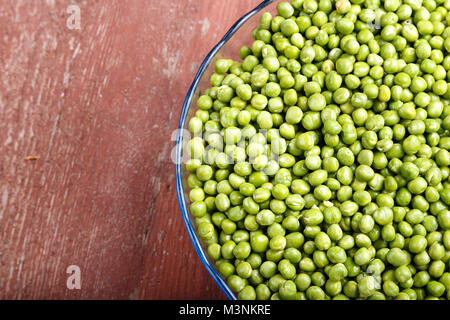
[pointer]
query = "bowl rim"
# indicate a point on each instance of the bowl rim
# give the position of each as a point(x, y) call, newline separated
point(179, 146)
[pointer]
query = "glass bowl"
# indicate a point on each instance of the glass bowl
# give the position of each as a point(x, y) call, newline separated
point(239, 34)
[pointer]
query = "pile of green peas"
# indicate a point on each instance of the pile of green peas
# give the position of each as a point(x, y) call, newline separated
point(319, 163)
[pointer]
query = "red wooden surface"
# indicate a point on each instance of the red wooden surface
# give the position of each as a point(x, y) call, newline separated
point(86, 118)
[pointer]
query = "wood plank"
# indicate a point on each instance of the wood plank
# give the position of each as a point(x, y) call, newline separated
point(93, 110)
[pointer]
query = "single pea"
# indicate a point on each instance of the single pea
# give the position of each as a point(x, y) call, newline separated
point(335, 232)
point(305, 141)
point(322, 241)
point(362, 256)
point(307, 265)
point(338, 272)
point(316, 102)
point(288, 290)
point(350, 289)
point(435, 288)
point(302, 281)
point(336, 254)
point(315, 293)
point(396, 257)
point(417, 244)
point(367, 286)
point(286, 269)
point(317, 177)
point(391, 289)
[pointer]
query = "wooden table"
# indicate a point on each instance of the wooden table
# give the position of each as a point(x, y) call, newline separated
point(86, 121)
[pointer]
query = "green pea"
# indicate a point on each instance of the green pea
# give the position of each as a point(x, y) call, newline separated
point(315, 293)
point(265, 217)
point(336, 254)
point(367, 286)
point(435, 288)
point(396, 257)
point(268, 269)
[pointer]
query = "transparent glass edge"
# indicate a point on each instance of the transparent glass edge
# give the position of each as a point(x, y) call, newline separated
point(179, 144)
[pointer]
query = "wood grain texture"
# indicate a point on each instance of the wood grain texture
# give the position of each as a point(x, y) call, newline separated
point(86, 120)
